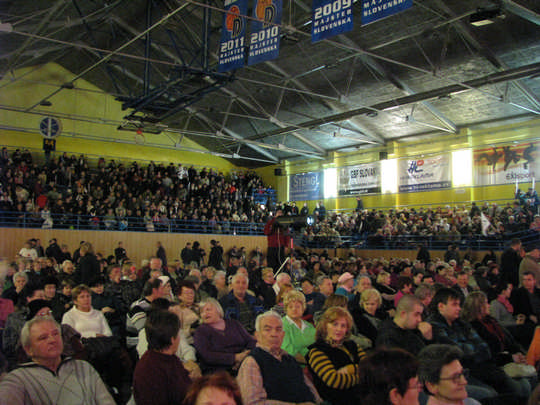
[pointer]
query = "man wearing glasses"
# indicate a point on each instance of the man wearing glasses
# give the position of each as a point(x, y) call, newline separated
point(443, 375)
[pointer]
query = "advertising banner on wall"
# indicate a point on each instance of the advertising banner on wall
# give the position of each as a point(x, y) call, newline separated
point(359, 179)
point(331, 17)
point(432, 173)
point(231, 47)
point(305, 186)
point(264, 40)
point(373, 10)
point(509, 164)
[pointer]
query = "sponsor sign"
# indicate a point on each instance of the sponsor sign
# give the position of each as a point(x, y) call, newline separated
point(431, 173)
point(331, 17)
point(231, 48)
point(507, 164)
point(360, 179)
point(305, 186)
point(264, 40)
point(373, 10)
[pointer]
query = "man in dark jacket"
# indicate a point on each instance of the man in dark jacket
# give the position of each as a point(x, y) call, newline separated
point(510, 260)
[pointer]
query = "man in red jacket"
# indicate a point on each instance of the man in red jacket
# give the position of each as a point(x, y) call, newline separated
point(278, 239)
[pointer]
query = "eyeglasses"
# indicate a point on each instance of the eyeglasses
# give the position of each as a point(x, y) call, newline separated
point(456, 378)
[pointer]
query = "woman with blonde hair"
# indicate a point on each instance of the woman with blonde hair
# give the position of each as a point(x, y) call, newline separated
point(333, 358)
point(368, 316)
point(299, 334)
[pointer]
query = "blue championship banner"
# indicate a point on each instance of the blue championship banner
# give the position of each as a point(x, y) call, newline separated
point(373, 10)
point(265, 34)
point(331, 17)
point(231, 50)
point(305, 186)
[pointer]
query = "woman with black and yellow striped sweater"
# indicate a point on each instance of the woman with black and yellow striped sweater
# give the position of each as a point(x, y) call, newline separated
point(333, 358)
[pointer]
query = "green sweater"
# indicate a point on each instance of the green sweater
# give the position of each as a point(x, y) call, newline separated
point(296, 340)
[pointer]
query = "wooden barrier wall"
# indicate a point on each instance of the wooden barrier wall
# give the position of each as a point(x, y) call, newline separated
point(142, 245)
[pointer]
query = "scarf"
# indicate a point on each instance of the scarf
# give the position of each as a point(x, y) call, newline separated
point(495, 329)
point(503, 300)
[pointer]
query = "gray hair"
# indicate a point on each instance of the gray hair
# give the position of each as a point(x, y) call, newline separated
point(25, 332)
point(215, 303)
point(282, 276)
point(20, 274)
point(239, 275)
point(219, 273)
point(264, 315)
point(66, 263)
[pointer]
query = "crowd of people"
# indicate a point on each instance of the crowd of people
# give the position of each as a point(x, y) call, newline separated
point(66, 192)
point(325, 329)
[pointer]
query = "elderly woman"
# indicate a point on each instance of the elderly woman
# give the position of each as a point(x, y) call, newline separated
point(189, 311)
point(333, 358)
point(222, 344)
point(387, 292)
point(502, 345)
point(368, 316)
point(13, 293)
point(220, 282)
point(86, 320)
point(298, 333)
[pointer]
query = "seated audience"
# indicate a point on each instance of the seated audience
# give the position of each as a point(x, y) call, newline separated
point(369, 315)
point(160, 378)
point(74, 382)
point(449, 328)
point(333, 358)
point(269, 375)
point(406, 331)
point(299, 334)
point(221, 344)
point(526, 299)
point(443, 375)
point(389, 376)
point(214, 389)
point(240, 305)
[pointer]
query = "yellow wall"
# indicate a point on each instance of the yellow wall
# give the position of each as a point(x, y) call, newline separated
point(89, 120)
point(466, 139)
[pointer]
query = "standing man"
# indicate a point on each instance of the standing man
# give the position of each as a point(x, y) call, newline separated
point(160, 253)
point(269, 375)
point(278, 239)
point(530, 262)
point(120, 253)
point(510, 260)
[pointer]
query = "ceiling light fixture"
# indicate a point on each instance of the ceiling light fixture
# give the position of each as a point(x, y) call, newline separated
point(484, 16)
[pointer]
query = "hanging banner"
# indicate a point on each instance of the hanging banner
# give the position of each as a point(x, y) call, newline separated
point(305, 186)
point(264, 41)
point(431, 173)
point(373, 10)
point(330, 17)
point(510, 164)
point(231, 50)
point(360, 179)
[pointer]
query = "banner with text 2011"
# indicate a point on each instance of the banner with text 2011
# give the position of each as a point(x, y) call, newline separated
point(305, 186)
point(373, 10)
point(360, 179)
point(331, 17)
point(231, 48)
point(508, 164)
point(265, 34)
point(432, 173)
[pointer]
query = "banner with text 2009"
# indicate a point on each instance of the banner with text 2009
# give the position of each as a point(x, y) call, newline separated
point(265, 31)
point(231, 48)
point(373, 10)
point(331, 17)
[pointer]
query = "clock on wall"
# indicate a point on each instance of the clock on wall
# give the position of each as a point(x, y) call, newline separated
point(50, 127)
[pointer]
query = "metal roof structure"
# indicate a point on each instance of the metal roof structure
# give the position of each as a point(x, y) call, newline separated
point(425, 72)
